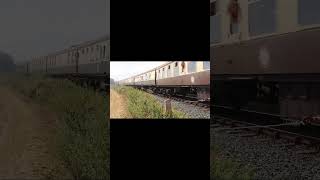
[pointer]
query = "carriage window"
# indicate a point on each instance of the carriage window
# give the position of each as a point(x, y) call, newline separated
point(192, 67)
point(232, 8)
point(206, 65)
point(215, 34)
point(308, 12)
point(163, 73)
point(68, 57)
point(262, 17)
point(182, 66)
point(104, 51)
point(169, 72)
point(213, 9)
point(176, 69)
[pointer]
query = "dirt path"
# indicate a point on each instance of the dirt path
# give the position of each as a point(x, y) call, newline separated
point(118, 106)
point(27, 149)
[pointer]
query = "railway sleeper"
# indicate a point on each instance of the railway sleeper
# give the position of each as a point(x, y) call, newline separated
point(306, 141)
point(309, 151)
point(250, 134)
point(215, 126)
point(234, 131)
point(272, 134)
point(264, 139)
point(286, 145)
point(289, 138)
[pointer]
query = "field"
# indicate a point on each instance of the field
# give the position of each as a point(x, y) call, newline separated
point(143, 105)
point(82, 136)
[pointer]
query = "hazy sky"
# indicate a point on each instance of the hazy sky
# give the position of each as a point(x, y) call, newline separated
point(37, 27)
point(121, 70)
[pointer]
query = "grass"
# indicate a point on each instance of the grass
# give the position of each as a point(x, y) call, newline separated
point(83, 133)
point(226, 169)
point(144, 105)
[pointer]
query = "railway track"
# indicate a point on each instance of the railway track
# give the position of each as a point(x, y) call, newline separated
point(294, 131)
point(204, 104)
point(185, 99)
point(258, 116)
point(270, 154)
point(187, 105)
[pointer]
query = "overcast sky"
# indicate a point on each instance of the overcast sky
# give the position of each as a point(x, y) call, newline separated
point(37, 27)
point(121, 70)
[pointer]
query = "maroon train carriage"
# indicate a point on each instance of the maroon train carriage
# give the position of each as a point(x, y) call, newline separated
point(86, 63)
point(268, 57)
point(184, 78)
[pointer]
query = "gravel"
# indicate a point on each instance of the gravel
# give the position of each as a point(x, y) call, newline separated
point(191, 111)
point(268, 158)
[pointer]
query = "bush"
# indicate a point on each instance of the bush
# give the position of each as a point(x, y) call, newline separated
point(83, 132)
point(144, 105)
point(227, 169)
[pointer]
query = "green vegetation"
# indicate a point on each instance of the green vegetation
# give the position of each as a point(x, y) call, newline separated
point(226, 169)
point(83, 130)
point(144, 105)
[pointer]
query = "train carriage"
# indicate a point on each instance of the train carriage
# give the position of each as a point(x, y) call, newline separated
point(145, 79)
point(93, 57)
point(87, 62)
point(187, 78)
point(190, 73)
point(85, 58)
point(266, 51)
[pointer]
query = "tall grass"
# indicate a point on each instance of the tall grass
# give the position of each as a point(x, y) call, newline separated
point(226, 169)
point(83, 132)
point(144, 105)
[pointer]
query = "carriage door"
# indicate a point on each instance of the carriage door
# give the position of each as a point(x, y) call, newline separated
point(77, 61)
point(234, 18)
point(215, 22)
point(46, 64)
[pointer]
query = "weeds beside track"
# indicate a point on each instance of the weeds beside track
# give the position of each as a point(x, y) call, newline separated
point(83, 131)
point(226, 168)
point(143, 105)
